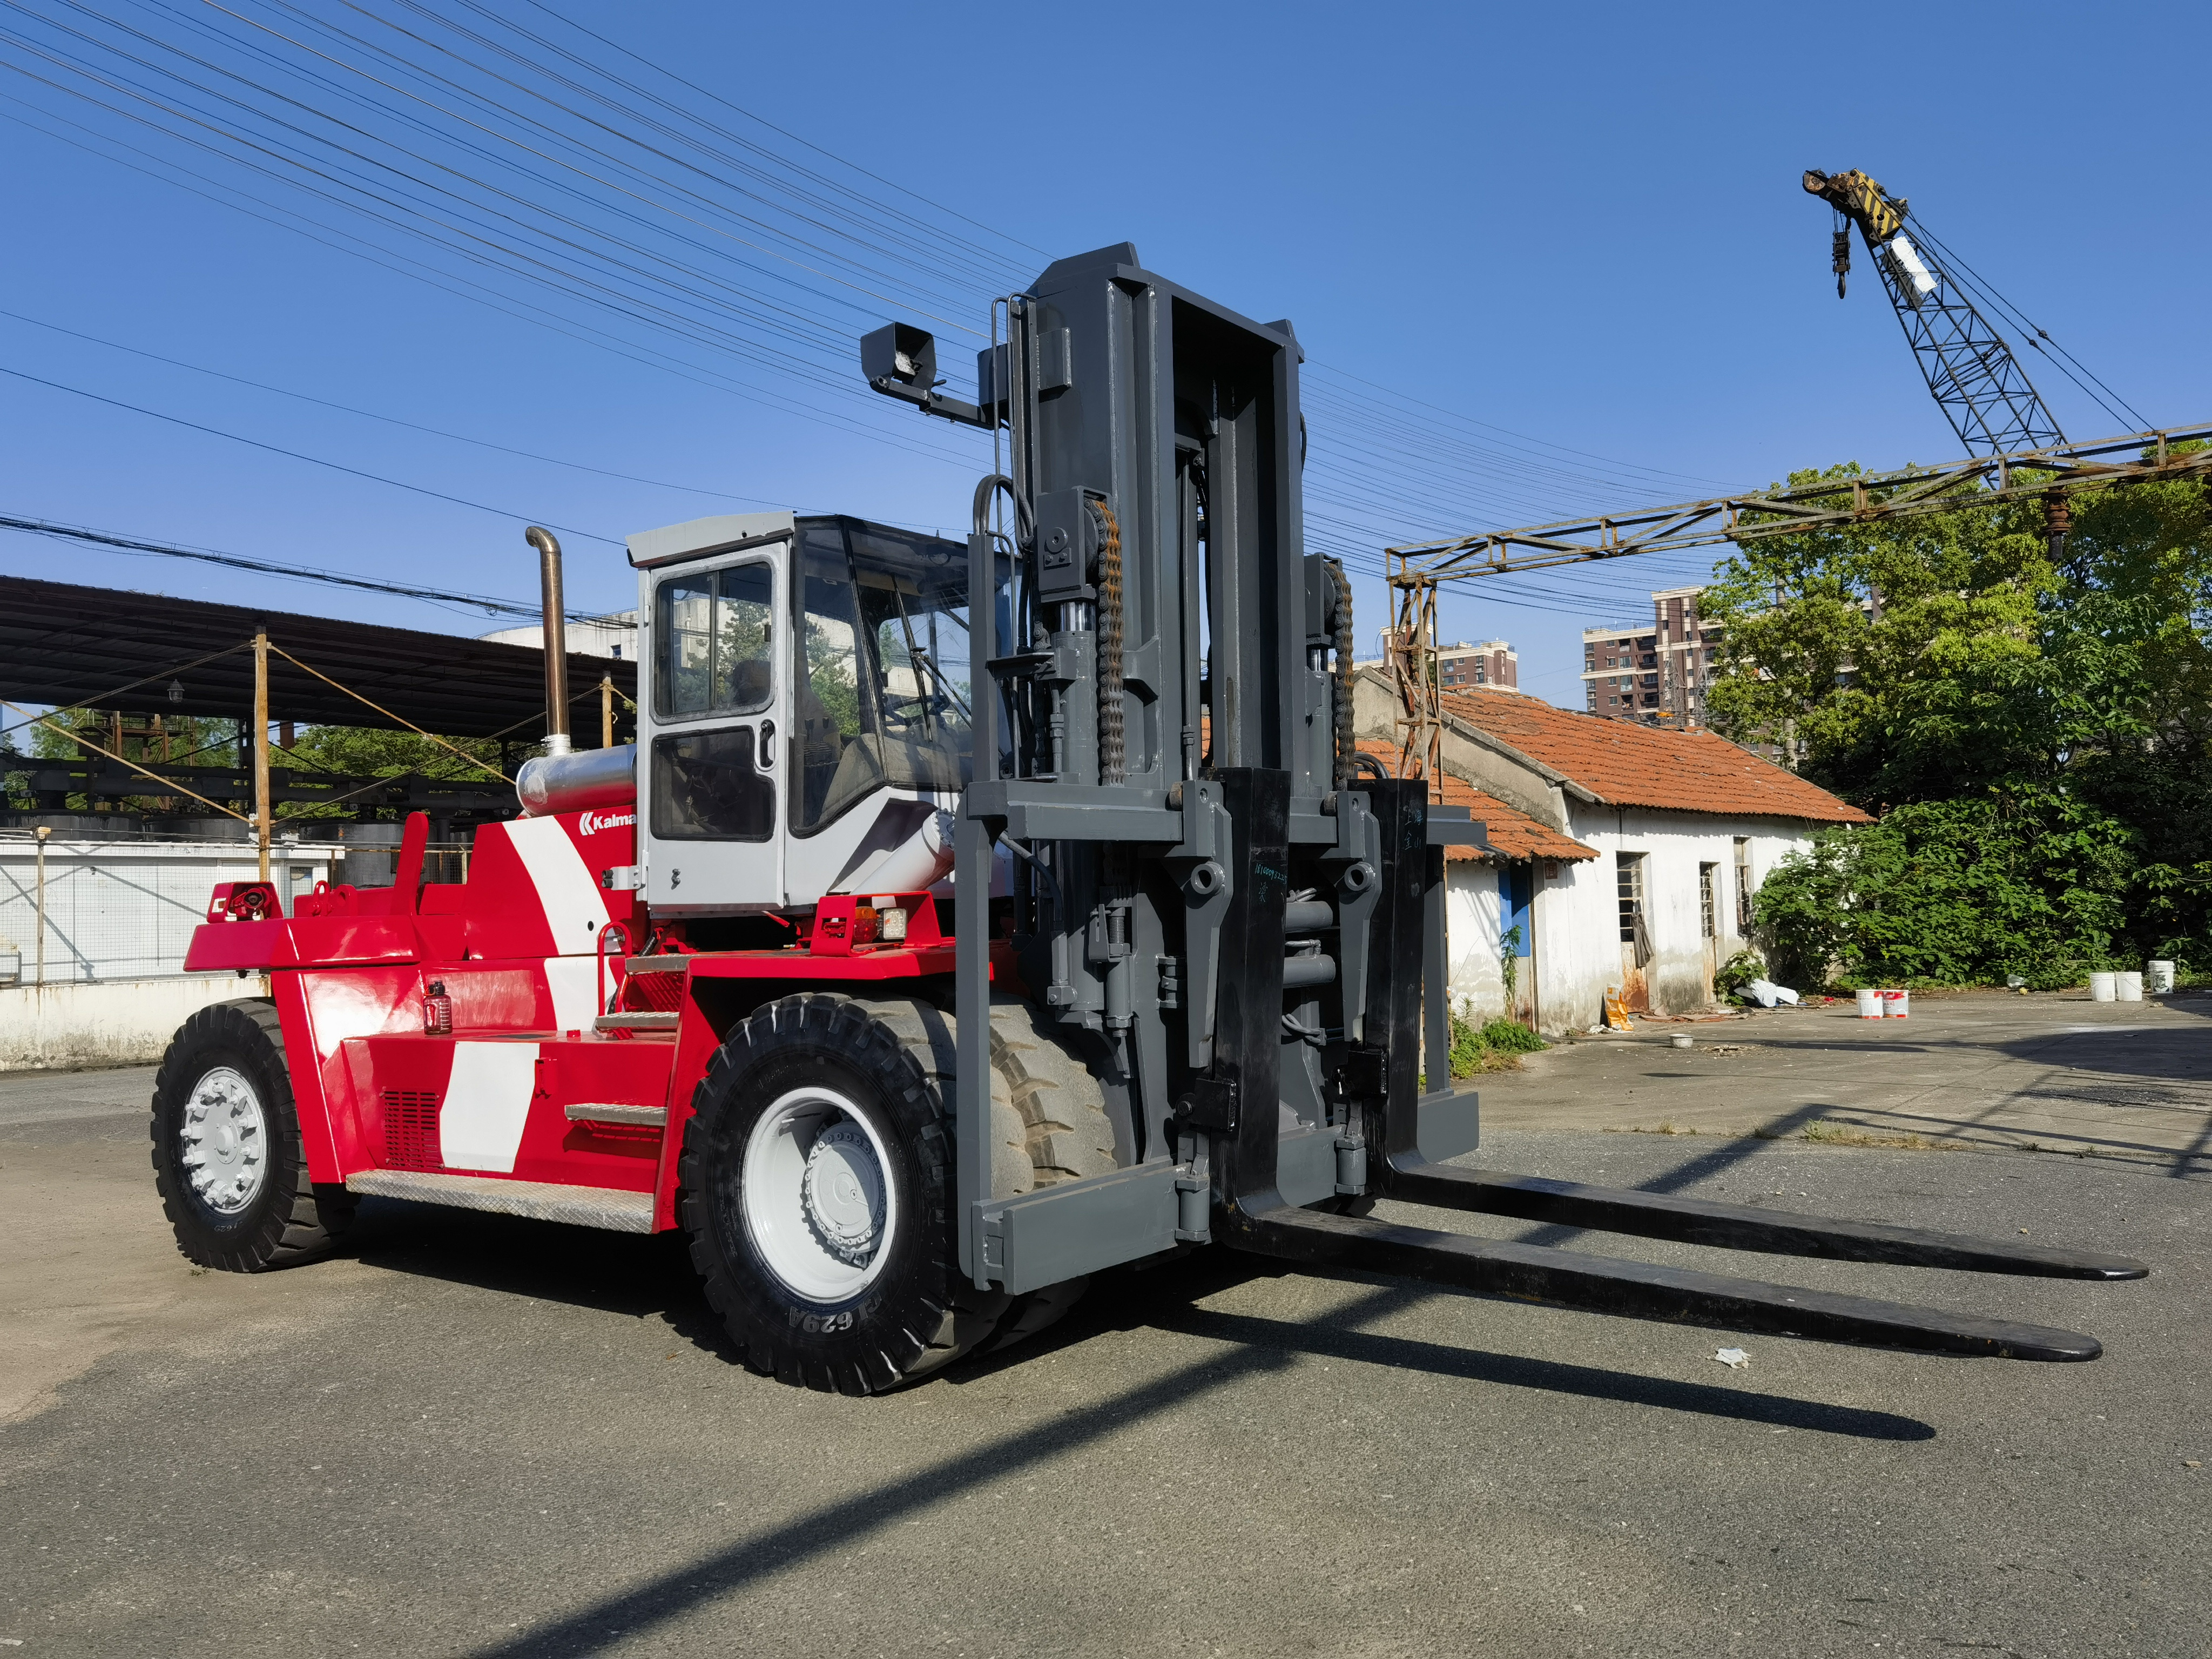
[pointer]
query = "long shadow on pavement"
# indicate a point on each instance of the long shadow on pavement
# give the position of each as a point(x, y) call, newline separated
point(1161, 1300)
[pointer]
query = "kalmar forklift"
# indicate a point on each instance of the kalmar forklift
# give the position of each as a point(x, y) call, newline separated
point(967, 919)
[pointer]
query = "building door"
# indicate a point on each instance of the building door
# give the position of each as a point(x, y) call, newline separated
point(1709, 876)
point(1635, 933)
point(1516, 938)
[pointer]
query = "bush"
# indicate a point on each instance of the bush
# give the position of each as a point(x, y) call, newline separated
point(1738, 971)
point(1490, 1048)
point(1955, 892)
point(1510, 1037)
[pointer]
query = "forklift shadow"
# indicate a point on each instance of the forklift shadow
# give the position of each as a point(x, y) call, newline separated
point(1168, 1299)
point(636, 1276)
point(647, 1278)
point(1251, 1349)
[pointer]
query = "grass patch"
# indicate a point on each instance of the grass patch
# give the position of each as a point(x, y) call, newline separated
point(1844, 1134)
point(1496, 1046)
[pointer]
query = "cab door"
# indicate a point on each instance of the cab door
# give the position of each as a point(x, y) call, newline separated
point(716, 707)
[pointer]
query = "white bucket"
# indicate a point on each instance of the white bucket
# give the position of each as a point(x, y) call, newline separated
point(2129, 987)
point(1870, 1005)
point(2157, 978)
point(1897, 1004)
point(2104, 988)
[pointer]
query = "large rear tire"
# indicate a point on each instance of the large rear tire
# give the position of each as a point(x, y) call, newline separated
point(818, 1186)
point(227, 1158)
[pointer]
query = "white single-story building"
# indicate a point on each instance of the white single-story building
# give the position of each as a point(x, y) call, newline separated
point(1662, 836)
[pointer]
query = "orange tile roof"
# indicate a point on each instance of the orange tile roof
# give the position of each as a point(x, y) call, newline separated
point(1513, 833)
point(1626, 764)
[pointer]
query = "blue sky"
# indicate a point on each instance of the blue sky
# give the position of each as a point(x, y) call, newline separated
point(1569, 242)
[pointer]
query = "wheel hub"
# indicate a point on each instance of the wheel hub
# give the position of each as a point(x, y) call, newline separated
point(225, 1142)
point(817, 1195)
point(842, 1196)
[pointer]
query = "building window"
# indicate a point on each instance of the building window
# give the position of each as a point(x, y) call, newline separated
point(1705, 918)
point(1628, 869)
point(1743, 887)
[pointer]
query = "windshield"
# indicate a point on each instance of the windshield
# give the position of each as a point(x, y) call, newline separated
point(883, 694)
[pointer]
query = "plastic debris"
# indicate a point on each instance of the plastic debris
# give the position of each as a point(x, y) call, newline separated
point(1735, 1358)
point(1765, 992)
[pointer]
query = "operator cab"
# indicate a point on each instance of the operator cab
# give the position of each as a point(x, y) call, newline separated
point(806, 708)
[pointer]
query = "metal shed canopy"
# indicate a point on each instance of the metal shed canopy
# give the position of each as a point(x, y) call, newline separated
point(82, 646)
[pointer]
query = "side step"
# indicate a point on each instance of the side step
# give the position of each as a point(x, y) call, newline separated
point(641, 1022)
point(1531, 1273)
point(540, 1201)
point(1735, 1226)
point(640, 1117)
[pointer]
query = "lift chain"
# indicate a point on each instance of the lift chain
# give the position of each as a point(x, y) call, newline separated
point(1346, 747)
point(1112, 754)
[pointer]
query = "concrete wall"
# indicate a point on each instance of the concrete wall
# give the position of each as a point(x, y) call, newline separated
point(112, 1023)
point(1472, 908)
point(1579, 950)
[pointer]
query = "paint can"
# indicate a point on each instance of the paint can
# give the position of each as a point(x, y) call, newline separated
point(1897, 1004)
point(1870, 1005)
point(2127, 986)
point(2104, 988)
point(2157, 978)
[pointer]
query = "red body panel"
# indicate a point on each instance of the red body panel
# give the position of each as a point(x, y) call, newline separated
point(514, 948)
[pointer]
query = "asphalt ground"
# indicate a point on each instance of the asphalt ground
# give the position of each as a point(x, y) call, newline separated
point(472, 1435)
point(2054, 1072)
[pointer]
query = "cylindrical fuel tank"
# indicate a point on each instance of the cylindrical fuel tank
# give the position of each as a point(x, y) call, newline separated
point(585, 777)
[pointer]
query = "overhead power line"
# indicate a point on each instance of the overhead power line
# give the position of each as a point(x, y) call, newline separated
point(273, 567)
point(390, 420)
point(312, 460)
point(628, 207)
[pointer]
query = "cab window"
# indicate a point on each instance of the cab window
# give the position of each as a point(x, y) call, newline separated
point(883, 694)
point(715, 629)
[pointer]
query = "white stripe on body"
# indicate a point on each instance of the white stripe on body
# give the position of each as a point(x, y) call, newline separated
point(487, 1102)
point(574, 909)
point(575, 984)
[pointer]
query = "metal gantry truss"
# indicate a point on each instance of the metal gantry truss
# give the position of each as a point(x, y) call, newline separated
point(2050, 475)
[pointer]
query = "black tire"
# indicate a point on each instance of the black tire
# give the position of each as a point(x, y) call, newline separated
point(892, 1062)
point(1049, 1116)
point(286, 1217)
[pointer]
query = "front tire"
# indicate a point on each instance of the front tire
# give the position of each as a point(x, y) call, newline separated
point(818, 1186)
point(227, 1158)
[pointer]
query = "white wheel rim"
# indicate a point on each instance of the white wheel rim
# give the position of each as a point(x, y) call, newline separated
point(225, 1142)
point(817, 1197)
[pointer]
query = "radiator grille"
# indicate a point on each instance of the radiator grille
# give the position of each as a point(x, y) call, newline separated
point(410, 1130)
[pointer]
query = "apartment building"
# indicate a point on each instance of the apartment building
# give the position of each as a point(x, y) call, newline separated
point(1493, 663)
point(1654, 673)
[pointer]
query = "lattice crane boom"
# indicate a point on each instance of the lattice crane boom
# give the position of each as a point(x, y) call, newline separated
point(1971, 372)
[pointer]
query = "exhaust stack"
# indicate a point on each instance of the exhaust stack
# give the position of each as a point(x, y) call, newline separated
point(556, 640)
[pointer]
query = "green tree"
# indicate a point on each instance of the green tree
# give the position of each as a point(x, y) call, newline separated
point(2032, 735)
point(369, 751)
